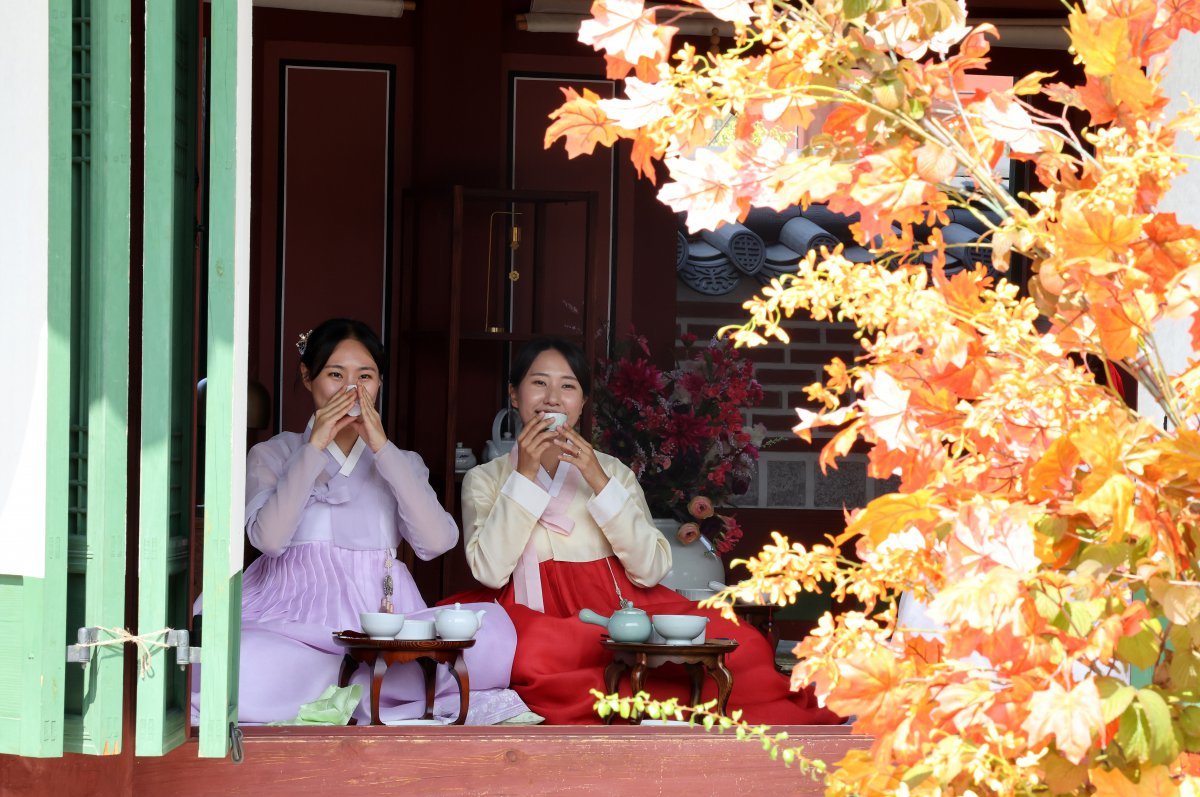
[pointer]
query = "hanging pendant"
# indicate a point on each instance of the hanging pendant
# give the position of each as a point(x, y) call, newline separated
point(386, 604)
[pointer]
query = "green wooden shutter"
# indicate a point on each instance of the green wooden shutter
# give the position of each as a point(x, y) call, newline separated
point(168, 382)
point(225, 349)
point(33, 610)
point(99, 368)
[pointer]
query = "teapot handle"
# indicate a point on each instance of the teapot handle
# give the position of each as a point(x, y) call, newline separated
point(589, 616)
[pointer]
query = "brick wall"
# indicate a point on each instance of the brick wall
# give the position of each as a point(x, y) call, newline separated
point(788, 475)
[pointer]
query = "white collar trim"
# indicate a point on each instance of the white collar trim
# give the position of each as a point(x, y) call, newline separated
point(348, 463)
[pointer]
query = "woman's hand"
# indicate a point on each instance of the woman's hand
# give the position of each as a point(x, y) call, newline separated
point(332, 418)
point(532, 443)
point(370, 425)
point(579, 453)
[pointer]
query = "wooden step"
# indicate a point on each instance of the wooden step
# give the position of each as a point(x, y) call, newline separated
point(492, 760)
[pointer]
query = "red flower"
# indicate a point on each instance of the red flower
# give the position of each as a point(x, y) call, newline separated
point(686, 432)
point(636, 381)
point(681, 431)
point(729, 538)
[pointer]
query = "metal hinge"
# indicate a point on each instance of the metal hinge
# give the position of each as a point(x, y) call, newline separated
point(88, 636)
point(82, 652)
point(184, 654)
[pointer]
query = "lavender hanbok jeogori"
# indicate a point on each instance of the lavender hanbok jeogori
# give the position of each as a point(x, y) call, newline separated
point(328, 525)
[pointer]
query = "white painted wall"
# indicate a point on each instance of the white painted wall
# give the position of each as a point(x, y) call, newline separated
point(1172, 336)
point(24, 328)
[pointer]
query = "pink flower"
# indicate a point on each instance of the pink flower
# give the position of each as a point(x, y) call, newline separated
point(700, 507)
point(688, 533)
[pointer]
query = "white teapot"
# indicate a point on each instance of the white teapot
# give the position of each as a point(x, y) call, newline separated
point(502, 442)
point(457, 624)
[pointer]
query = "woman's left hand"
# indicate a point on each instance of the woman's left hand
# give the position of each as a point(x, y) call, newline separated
point(369, 425)
point(579, 453)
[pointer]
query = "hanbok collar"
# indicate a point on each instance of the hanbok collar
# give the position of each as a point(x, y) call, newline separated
point(527, 579)
point(347, 462)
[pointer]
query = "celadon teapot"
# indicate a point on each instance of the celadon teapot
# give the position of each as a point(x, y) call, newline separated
point(502, 441)
point(627, 624)
point(457, 624)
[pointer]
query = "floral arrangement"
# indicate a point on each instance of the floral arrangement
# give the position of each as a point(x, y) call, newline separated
point(682, 431)
point(1051, 530)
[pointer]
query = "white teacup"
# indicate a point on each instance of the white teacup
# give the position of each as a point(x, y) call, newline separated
point(381, 625)
point(356, 410)
point(416, 629)
point(557, 419)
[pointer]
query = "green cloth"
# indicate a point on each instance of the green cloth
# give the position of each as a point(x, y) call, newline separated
point(333, 707)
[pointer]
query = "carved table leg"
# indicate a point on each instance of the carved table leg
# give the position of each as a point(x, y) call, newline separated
point(459, 670)
point(349, 665)
point(429, 670)
point(696, 671)
point(636, 679)
point(612, 680)
point(724, 680)
point(377, 673)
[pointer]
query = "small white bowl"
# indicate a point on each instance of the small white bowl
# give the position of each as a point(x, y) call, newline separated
point(556, 419)
point(416, 629)
point(679, 629)
point(381, 625)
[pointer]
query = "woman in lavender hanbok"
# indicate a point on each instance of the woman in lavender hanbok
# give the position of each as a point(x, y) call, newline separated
point(327, 507)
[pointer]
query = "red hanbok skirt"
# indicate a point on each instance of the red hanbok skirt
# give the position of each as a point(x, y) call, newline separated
point(559, 658)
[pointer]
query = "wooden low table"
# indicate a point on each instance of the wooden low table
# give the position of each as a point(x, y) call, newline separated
point(699, 659)
point(379, 654)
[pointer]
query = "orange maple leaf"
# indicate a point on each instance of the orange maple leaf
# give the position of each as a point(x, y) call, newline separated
point(889, 514)
point(626, 29)
point(1100, 44)
point(966, 703)
point(1090, 229)
point(582, 122)
point(871, 684)
point(1154, 782)
point(890, 189)
point(1182, 15)
point(705, 187)
point(643, 155)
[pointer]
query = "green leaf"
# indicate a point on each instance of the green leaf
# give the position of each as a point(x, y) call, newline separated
point(1141, 649)
point(1163, 744)
point(1115, 697)
point(916, 773)
point(1133, 735)
point(853, 9)
point(1185, 670)
point(1084, 614)
point(1049, 609)
point(1106, 556)
point(1189, 722)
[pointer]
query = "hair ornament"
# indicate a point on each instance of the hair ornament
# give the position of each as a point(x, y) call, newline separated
point(302, 342)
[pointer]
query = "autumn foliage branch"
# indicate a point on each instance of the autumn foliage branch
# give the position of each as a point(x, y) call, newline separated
point(1049, 531)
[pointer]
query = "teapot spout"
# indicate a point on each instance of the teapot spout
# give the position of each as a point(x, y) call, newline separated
point(479, 615)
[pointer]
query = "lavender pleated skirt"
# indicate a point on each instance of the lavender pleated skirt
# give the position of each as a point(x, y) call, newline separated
point(291, 604)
